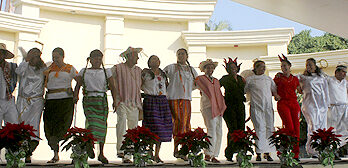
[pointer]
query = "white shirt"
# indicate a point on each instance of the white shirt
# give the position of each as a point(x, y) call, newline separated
point(337, 91)
point(62, 81)
point(155, 86)
point(31, 83)
point(95, 81)
point(260, 88)
point(180, 88)
point(3, 85)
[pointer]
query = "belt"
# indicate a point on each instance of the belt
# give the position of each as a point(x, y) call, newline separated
point(68, 90)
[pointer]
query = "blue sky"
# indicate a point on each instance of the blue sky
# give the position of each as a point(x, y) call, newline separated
point(242, 17)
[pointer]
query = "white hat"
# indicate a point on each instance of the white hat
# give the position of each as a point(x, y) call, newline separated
point(207, 62)
point(8, 54)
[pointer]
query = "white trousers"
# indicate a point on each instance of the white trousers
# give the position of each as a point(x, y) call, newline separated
point(127, 116)
point(263, 121)
point(30, 111)
point(8, 111)
point(214, 130)
point(337, 117)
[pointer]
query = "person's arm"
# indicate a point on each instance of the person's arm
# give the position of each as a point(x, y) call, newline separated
point(22, 68)
point(78, 80)
point(274, 90)
point(113, 91)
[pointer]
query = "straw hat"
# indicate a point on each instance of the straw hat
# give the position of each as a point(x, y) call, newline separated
point(8, 54)
point(207, 62)
point(129, 51)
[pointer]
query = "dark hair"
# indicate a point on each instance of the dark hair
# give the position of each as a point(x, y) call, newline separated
point(235, 63)
point(37, 53)
point(287, 61)
point(256, 64)
point(162, 73)
point(96, 53)
point(340, 68)
point(183, 50)
point(317, 69)
point(59, 50)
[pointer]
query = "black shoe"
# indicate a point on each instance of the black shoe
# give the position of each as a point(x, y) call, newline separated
point(103, 159)
point(337, 157)
point(315, 157)
point(297, 159)
point(28, 159)
point(120, 155)
point(229, 159)
point(258, 158)
point(268, 158)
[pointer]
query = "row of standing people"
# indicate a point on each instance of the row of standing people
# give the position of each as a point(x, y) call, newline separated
point(125, 81)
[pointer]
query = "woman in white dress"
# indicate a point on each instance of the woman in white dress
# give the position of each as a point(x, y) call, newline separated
point(30, 100)
point(261, 88)
point(315, 100)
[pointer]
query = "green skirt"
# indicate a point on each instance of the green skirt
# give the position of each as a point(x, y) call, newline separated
point(96, 112)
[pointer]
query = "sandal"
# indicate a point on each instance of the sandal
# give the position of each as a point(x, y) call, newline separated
point(214, 160)
point(157, 160)
point(120, 155)
point(207, 158)
point(103, 159)
point(127, 161)
point(53, 160)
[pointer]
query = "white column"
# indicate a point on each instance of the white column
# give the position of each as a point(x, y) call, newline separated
point(277, 48)
point(114, 30)
point(196, 25)
point(197, 54)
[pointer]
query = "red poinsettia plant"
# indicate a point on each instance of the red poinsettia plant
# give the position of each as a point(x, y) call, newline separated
point(244, 140)
point(193, 141)
point(323, 138)
point(13, 136)
point(284, 141)
point(139, 138)
point(326, 142)
point(78, 136)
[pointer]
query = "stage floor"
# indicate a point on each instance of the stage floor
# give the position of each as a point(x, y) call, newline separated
point(306, 163)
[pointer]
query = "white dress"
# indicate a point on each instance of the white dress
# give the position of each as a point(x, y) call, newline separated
point(30, 100)
point(337, 116)
point(260, 88)
point(315, 104)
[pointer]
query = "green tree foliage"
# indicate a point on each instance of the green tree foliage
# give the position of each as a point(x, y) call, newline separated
point(221, 26)
point(303, 42)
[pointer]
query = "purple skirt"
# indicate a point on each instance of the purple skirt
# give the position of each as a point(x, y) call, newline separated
point(157, 116)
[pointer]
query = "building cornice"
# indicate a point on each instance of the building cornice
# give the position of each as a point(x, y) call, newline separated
point(298, 60)
point(18, 23)
point(245, 37)
point(148, 9)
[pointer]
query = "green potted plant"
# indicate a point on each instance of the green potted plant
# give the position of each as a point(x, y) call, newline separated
point(139, 143)
point(192, 143)
point(15, 138)
point(244, 142)
point(81, 141)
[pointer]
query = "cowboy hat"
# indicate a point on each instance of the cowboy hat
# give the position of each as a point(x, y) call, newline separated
point(3, 50)
point(207, 62)
point(129, 51)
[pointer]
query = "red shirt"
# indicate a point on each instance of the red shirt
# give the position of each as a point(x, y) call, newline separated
point(286, 86)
